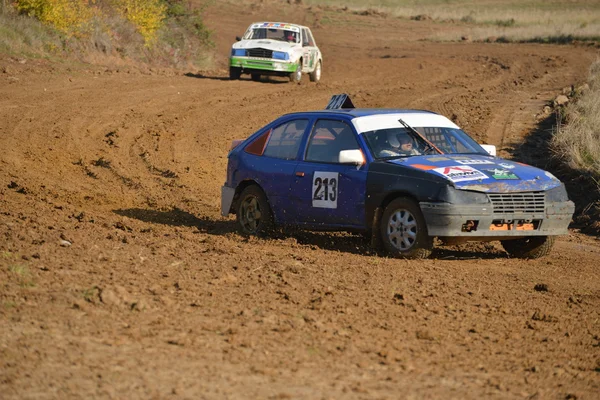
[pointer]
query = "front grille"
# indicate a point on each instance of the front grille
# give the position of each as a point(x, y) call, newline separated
point(518, 203)
point(261, 53)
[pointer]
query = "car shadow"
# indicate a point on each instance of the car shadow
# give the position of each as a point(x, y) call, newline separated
point(264, 79)
point(465, 254)
point(177, 217)
point(343, 242)
point(360, 245)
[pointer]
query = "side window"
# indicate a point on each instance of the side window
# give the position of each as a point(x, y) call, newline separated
point(285, 139)
point(307, 38)
point(328, 138)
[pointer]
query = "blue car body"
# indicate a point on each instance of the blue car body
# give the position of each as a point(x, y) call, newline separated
point(461, 190)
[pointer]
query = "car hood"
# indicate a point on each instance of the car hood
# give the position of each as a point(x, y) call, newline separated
point(275, 45)
point(483, 173)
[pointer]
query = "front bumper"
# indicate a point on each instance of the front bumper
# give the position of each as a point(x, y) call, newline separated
point(248, 64)
point(479, 220)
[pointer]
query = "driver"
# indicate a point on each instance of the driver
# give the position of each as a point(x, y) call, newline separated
point(290, 36)
point(400, 145)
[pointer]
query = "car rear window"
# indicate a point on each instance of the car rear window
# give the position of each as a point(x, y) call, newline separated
point(285, 139)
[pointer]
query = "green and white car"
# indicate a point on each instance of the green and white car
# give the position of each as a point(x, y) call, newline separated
point(276, 48)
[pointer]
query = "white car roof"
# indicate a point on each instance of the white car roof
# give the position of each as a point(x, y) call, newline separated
point(386, 121)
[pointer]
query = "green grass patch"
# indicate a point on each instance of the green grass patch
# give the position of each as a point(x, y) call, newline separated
point(22, 274)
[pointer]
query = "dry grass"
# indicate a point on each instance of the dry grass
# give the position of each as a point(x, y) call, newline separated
point(26, 36)
point(183, 42)
point(533, 20)
point(576, 145)
point(577, 142)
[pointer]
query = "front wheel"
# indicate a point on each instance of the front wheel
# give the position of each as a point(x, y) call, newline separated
point(254, 216)
point(404, 231)
point(296, 76)
point(315, 76)
point(529, 247)
point(234, 73)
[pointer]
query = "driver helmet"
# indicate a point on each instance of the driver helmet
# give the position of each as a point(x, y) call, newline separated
point(290, 36)
point(397, 139)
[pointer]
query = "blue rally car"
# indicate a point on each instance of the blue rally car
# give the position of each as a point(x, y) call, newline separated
point(404, 177)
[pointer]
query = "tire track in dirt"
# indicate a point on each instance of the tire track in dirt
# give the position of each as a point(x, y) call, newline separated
point(157, 296)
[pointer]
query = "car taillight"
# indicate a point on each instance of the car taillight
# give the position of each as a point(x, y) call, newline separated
point(235, 143)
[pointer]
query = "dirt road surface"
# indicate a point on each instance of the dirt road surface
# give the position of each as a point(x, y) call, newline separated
point(120, 279)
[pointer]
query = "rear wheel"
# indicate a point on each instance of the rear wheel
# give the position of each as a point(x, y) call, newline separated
point(234, 73)
point(529, 247)
point(404, 231)
point(254, 216)
point(315, 76)
point(296, 76)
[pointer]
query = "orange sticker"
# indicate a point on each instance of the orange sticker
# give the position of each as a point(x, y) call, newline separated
point(423, 167)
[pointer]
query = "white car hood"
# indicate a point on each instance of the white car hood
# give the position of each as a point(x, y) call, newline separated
point(275, 45)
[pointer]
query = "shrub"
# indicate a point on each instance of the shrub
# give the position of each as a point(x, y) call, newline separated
point(147, 15)
point(71, 17)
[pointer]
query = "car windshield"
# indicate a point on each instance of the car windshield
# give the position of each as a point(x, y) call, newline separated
point(401, 142)
point(284, 35)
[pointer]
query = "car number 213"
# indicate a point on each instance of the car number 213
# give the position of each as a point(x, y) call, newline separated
point(325, 189)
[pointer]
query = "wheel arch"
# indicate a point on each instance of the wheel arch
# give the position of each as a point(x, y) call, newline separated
point(240, 188)
point(396, 194)
point(373, 216)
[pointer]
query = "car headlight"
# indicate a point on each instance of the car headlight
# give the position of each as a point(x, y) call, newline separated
point(238, 52)
point(451, 195)
point(281, 55)
point(557, 194)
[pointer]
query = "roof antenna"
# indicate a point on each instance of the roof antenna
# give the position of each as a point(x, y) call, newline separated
point(339, 101)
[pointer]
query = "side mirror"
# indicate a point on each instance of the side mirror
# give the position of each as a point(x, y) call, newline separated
point(490, 148)
point(352, 157)
point(237, 38)
point(304, 44)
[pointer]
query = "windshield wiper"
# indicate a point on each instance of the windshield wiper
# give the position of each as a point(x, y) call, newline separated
point(430, 146)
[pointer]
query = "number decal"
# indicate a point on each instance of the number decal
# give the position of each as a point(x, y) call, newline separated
point(325, 189)
point(317, 182)
point(339, 101)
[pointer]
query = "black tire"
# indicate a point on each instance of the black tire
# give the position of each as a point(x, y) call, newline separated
point(529, 247)
point(315, 76)
point(254, 216)
point(255, 77)
point(296, 76)
point(404, 231)
point(234, 73)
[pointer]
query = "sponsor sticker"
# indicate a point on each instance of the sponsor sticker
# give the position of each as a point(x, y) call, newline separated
point(501, 174)
point(506, 165)
point(550, 175)
point(423, 167)
point(437, 158)
point(277, 26)
point(325, 189)
point(474, 162)
point(459, 173)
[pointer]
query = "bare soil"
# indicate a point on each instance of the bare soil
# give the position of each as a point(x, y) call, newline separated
point(120, 279)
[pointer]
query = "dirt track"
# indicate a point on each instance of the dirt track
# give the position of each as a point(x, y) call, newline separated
point(119, 278)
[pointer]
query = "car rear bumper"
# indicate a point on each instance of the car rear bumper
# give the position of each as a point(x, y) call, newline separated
point(262, 65)
point(476, 220)
point(227, 194)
